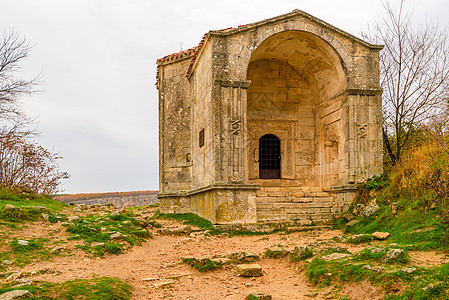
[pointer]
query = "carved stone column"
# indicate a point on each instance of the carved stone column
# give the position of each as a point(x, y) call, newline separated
point(233, 131)
point(363, 145)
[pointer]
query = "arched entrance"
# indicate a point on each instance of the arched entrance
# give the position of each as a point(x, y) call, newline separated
point(297, 82)
point(269, 157)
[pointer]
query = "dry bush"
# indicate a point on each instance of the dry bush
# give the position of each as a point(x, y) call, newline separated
point(28, 166)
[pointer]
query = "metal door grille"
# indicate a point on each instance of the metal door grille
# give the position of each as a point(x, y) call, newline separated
point(269, 157)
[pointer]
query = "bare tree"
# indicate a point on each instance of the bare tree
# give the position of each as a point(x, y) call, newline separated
point(23, 163)
point(13, 50)
point(414, 68)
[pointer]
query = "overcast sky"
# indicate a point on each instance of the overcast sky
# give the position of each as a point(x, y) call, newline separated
point(98, 105)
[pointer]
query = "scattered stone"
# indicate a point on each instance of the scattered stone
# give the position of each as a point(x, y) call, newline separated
point(181, 230)
point(301, 252)
point(367, 267)
point(372, 208)
point(77, 209)
point(335, 248)
point(409, 270)
point(45, 217)
point(150, 279)
point(249, 270)
point(126, 222)
point(244, 256)
point(380, 235)
point(6, 262)
point(118, 235)
point(311, 294)
point(16, 294)
point(115, 213)
point(161, 284)
point(38, 207)
point(57, 249)
point(424, 229)
point(73, 218)
point(274, 250)
point(335, 256)
point(23, 242)
point(429, 286)
point(340, 239)
point(103, 229)
point(377, 250)
point(221, 260)
point(258, 296)
point(378, 269)
point(47, 270)
point(98, 245)
point(360, 238)
point(393, 245)
point(9, 206)
point(24, 281)
point(14, 276)
point(393, 254)
point(352, 223)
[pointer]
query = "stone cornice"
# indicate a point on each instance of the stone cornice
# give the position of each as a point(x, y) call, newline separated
point(210, 188)
point(290, 15)
point(233, 83)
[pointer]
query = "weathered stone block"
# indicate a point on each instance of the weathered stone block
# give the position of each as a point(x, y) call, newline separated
point(249, 270)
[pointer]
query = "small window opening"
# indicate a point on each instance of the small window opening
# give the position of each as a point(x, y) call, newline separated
point(269, 157)
point(201, 138)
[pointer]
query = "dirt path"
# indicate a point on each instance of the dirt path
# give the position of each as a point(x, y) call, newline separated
point(159, 261)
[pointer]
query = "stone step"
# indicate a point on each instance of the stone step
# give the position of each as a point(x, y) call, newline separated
point(291, 192)
point(326, 200)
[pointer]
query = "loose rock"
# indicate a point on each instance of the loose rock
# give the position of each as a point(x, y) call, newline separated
point(311, 294)
point(335, 256)
point(393, 254)
point(409, 270)
point(23, 242)
point(380, 235)
point(16, 294)
point(118, 235)
point(258, 296)
point(249, 270)
point(352, 223)
point(372, 208)
point(73, 218)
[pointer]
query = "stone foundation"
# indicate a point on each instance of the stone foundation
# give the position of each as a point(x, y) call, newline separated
point(251, 204)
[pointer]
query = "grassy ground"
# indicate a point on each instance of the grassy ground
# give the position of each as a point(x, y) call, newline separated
point(412, 224)
point(97, 288)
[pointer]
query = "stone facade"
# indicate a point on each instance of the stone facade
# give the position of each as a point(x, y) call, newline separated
point(292, 83)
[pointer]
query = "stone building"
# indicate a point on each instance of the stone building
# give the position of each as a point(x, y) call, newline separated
point(271, 121)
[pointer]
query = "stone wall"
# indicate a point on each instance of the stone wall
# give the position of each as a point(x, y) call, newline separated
point(175, 129)
point(119, 202)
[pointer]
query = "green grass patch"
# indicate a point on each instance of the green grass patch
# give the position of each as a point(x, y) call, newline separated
point(432, 284)
point(97, 288)
point(8, 196)
point(301, 255)
point(369, 255)
point(188, 218)
point(411, 226)
point(324, 273)
point(89, 229)
point(35, 250)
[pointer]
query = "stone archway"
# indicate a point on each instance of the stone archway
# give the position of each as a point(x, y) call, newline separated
point(295, 77)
